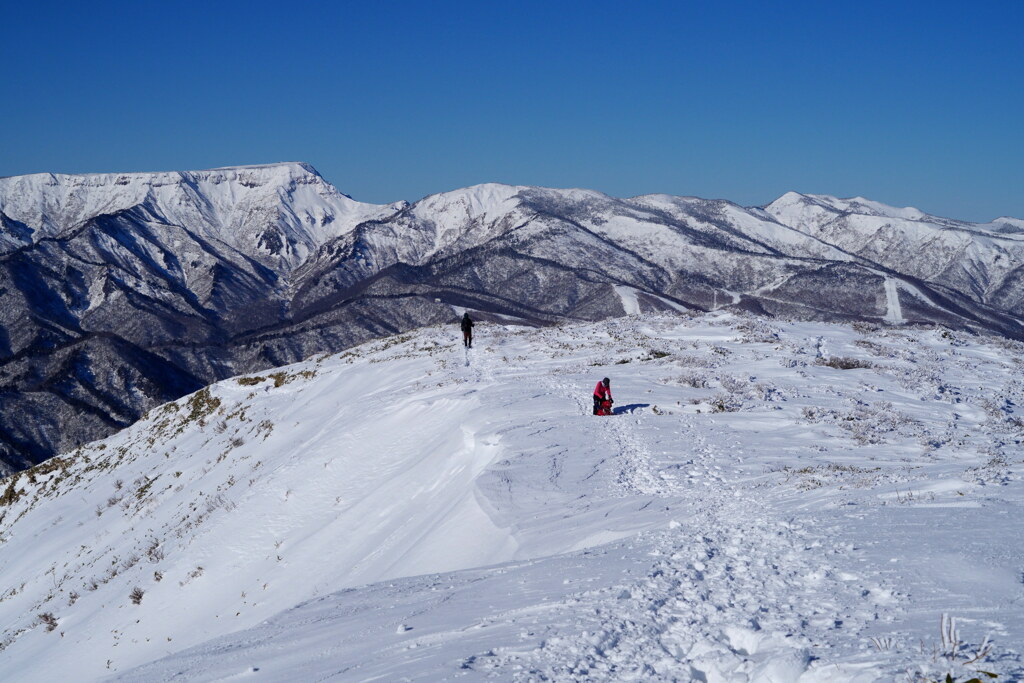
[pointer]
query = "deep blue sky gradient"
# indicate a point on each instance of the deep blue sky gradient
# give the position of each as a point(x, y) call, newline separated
point(909, 103)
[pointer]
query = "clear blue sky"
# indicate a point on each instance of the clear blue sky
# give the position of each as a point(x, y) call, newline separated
point(910, 103)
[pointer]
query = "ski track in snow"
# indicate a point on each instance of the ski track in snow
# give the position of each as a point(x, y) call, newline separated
point(627, 295)
point(894, 313)
point(657, 544)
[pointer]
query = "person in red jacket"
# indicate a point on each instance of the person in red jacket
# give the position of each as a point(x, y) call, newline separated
point(602, 393)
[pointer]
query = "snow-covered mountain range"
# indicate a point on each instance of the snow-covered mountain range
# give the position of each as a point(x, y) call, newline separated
point(773, 501)
point(122, 291)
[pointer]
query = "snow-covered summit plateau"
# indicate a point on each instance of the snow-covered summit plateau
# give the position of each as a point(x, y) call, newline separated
point(277, 213)
point(773, 501)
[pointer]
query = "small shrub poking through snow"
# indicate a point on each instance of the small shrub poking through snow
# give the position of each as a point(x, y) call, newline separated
point(691, 379)
point(843, 363)
point(867, 423)
point(733, 385)
point(865, 328)
point(154, 552)
point(725, 404)
point(48, 620)
point(201, 405)
point(872, 348)
point(11, 493)
point(136, 595)
point(952, 658)
point(194, 574)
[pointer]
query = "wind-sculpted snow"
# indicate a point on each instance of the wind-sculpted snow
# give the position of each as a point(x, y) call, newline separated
point(219, 272)
point(772, 501)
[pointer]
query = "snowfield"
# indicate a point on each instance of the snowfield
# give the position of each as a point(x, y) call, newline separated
point(773, 501)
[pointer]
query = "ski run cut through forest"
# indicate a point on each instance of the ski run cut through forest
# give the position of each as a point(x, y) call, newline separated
point(771, 501)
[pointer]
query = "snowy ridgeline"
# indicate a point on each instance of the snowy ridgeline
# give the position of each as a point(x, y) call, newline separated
point(275, 212)
point(773, 502)
point(124, 291)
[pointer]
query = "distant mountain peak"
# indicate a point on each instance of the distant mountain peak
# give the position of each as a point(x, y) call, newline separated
point(1008, 224)
point(275, 213)
point(857, 205)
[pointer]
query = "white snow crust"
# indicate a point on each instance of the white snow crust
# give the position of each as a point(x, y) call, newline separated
point(411, 510)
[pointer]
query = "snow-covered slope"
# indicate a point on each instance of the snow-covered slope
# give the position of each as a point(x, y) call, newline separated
point(275, 213)
point(761, 508)
point(983, 261)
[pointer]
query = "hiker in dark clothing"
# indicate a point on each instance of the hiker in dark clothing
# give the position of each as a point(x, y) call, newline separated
point(602, 393)
point(467, 331)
